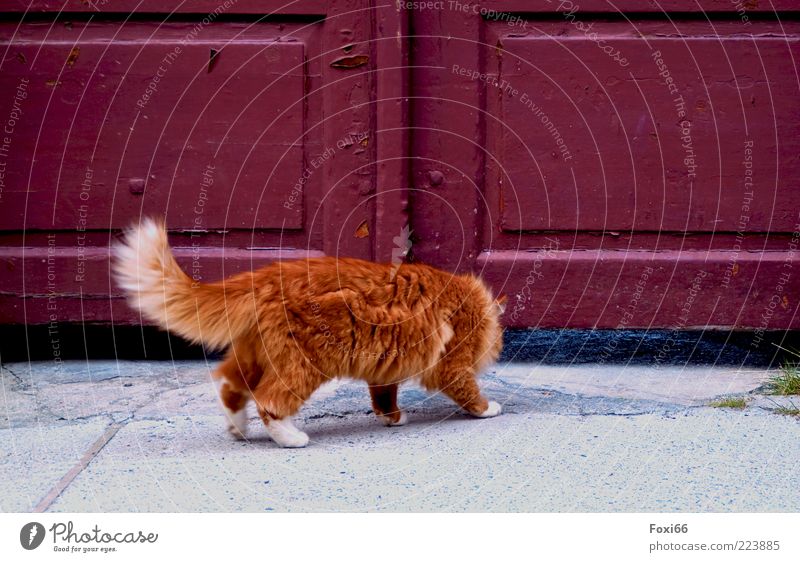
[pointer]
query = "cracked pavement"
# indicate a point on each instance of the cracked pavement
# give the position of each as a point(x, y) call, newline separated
point(149, 436)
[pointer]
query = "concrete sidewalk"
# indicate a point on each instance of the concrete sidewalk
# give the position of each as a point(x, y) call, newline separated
point(149, 436)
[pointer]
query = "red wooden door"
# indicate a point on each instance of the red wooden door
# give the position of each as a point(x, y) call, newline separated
point(611, 165)
point(620, 165)
point(250, 126)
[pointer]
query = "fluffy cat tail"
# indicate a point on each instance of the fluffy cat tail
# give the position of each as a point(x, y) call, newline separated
point(210, 313)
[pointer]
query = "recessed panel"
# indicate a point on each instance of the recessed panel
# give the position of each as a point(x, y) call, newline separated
point(114, 124)
point(657, 133)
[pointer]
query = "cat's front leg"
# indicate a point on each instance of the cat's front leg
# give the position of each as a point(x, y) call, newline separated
point(384, 404)
point(462, 388)
point(284, 432)
point(279, 397)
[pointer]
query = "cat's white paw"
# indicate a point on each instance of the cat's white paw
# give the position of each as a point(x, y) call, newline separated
point(294, 441)
point(387, 421)
point(285, 434)
point(237, 423)
point(492, 410)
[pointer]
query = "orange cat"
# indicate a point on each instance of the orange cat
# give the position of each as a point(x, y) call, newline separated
point(291, 326)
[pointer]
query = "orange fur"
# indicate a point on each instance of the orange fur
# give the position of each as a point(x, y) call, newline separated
point(291, 326)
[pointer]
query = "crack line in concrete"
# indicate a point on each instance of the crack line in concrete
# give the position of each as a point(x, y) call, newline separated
point(73, 473)
point(14, 375)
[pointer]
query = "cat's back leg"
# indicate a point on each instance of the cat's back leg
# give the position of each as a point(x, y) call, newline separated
point(234, 394)
point(384, 404)
point(460, 386)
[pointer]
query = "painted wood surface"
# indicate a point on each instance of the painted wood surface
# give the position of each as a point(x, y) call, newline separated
point(605, 165)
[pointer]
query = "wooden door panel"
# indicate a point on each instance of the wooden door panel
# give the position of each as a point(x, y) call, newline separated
point(559, 174)
point(324, 127)
point(673, 289)
point(586, 9)
point(210, 9)
point(148, 122)
point(253, 129)
point(601, 147)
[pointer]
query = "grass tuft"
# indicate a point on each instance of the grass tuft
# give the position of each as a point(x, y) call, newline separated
point(736, 402)
point(786, 411)
point(786, 381)
point(783, 409)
